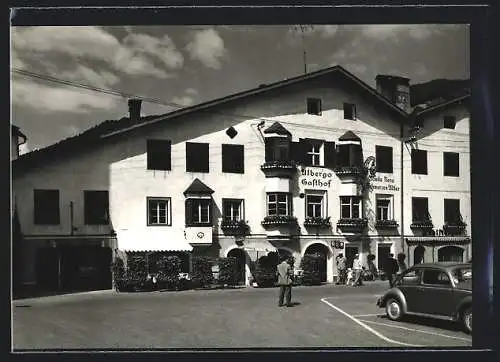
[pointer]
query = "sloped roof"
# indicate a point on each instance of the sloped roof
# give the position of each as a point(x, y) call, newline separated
point(278, 128)
point(440, 104)
point(198, 188)
point(349, 136)
point(110, 128)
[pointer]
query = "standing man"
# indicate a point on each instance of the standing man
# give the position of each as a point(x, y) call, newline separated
point(341, 268)
point(391, 268)
point(285, 282)
point(356, 267)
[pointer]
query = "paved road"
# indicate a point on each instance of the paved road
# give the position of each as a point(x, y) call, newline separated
point(325, 316)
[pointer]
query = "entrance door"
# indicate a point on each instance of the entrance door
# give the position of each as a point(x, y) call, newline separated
point(322, 253)
point(47, 269)
point(383, 252)
point(350, 253)
point(241, 257)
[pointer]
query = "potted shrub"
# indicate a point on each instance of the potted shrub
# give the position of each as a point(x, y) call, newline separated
point(228, 271)
point(202, 276)
point(310, 264)
point(169, 268)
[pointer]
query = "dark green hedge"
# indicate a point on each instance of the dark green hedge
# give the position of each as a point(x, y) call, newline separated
point(202, 271)
point(310, 264)
point(228, 271)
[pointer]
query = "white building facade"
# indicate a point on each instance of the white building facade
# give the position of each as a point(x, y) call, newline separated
point(277, 168)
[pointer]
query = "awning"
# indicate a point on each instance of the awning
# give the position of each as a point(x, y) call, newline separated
point(151, 240)
point(438, 240)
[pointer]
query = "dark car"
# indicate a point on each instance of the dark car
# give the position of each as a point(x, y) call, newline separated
point(441, 290)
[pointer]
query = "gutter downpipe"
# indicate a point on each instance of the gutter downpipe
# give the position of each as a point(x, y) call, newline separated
point(402, 188)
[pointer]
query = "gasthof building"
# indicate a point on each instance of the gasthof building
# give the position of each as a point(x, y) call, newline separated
point(319, 163)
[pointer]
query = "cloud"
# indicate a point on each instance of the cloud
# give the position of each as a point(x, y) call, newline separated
point(207, 47)
point(46, 99)
point(183, 101)
point(191, 91)
point(394, 32)
point(84, 74)
point(135, 56)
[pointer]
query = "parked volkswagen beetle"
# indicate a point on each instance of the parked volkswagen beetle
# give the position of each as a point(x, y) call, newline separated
point(440, 290)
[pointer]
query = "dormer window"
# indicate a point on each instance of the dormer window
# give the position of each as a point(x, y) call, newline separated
point(314, 106)
point(198, 204)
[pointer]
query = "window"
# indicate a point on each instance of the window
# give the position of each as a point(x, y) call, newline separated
point(314, 106)
point(452, 211)
point(158, 154)
point(449, 122)
point(233, 159)
point(384, 207)
point(349, 111)
point(436, 277)
point(159, 211)
point(232, 209)
point(197, 157)
point(314, 153)
point(418, 162)
point(96, 207)
point(350, 207)
point(420, 211)
point(315, 204)
point(412, 277)
point(198, 211)
point(349, 155)
point(46, 205)
point(383, 155)
point(451, 164)
point(278, 204)
point(277, 149)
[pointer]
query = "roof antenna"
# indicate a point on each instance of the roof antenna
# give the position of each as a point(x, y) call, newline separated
point(303, 29)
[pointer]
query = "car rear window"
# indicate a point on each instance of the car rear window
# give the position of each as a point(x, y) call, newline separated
point(462, 277)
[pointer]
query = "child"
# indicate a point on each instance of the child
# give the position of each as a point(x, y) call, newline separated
point(350, 277)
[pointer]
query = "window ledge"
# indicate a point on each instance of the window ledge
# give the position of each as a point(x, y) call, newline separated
point(386, 224)
point(279, 220)
point(319, 222)
point(355, 223)
point(426, 224)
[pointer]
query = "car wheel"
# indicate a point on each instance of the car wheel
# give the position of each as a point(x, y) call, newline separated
point(467, 319)
point(394, 310)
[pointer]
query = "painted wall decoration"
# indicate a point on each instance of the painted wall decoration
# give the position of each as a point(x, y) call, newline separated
point(315, 177)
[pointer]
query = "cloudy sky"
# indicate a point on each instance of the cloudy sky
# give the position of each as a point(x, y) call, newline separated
point(183, 65)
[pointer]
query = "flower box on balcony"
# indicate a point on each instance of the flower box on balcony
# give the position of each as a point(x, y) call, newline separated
point(318, 222)
point(457, 228)
point(348, 171)
point(422, 225)
point(386, 224)
point(279, 168)
point(357, 224)
point(233, 227)
point(279, 221)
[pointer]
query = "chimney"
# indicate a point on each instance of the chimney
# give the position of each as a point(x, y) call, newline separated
point(396, 89)
point(134, 109)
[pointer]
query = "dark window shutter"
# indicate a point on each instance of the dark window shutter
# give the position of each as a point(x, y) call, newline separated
point(189, 211)
point(358, 155)
point(330, 154)
point(298, 152)
point(167, 158)
point(343, 155)
point(210, 212)
point(269, 145)
point(159, 154)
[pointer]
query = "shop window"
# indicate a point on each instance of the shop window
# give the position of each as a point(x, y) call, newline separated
point(232, 209)
point(383, 156)
point(159, 154)
point(46, 207)
point(96, 207)
point(233, 158)
point(316, 204)
point(420, 209)
point(350, 207)
point(449, 122)
point(198, 211)
point(197, 157)
point(418, 162)
point(278, 204)
point(314, 106)
point(384, 204)
point(349, 111)
point(451, 164)
point(159, 211)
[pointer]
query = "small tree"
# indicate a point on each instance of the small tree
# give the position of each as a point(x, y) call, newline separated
point(202, 271)
point(137, 272)
point(169, 268)
point(265, 271)
point(310, 264)
point(119, 274)
point(228, 271)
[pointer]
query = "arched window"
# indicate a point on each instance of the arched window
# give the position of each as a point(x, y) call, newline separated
point(418, 255)
point(451, 253)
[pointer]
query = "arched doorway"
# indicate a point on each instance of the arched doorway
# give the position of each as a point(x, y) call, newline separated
point(322, 252)
point(451, 253)
point(239, 254)
point(418, 255)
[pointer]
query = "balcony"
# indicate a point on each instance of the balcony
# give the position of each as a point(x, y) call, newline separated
point(198, 235)
point(454, 229)
point(281, 220)
point(386, 224)
point(424, 225)
point(348, 171)
point(282, 169)
point(318, 222)
point(354, 225)
point(233, 227)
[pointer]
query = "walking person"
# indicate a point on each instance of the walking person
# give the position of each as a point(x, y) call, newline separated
point(391, 268)
point(356, 267)
point(341, 268)
point(285, 274)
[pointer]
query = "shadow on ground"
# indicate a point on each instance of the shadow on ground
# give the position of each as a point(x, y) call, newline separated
point(428, 322)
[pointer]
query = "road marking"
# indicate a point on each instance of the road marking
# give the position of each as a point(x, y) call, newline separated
point(368, 328)
point(417, 330)
point(369, 315)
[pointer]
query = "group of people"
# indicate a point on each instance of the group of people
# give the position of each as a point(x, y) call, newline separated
point(349, 276)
